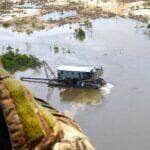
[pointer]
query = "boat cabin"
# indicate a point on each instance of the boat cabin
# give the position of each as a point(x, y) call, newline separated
point(78, 72)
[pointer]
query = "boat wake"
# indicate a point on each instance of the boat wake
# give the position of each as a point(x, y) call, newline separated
point(107, 89)
point(76, 107)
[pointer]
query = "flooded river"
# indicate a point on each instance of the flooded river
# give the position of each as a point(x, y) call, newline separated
point(116, 117)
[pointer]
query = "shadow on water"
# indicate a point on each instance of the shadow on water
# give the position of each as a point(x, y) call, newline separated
point(82, 96)
point(85, 96)
point(76, 99)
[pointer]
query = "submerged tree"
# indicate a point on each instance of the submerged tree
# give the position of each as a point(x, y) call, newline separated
point(5, 4)
point(80, 34)
point(88, 23)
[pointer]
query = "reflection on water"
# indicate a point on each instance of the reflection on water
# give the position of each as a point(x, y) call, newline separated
point(83, 96)
point(79, 98)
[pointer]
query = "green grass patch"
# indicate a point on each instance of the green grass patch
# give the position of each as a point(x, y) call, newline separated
point(47, 116)
point(25, 109)
point(12, 60)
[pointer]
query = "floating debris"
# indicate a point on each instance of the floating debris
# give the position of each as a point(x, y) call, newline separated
point(58, 49)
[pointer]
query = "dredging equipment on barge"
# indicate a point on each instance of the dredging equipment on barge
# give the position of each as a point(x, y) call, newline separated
point(71, 76)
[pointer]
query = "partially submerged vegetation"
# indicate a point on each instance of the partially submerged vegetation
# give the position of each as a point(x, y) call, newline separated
point(80, 34)
point(27, 25)
point(87, 23)
point(6, 24)
point(2, 6)
point(12, 60)
point(55, 48)
point(5, 6)
point(31, 19)
point(140, 10)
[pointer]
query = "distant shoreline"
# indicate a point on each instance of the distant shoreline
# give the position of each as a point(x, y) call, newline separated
point(31, 19)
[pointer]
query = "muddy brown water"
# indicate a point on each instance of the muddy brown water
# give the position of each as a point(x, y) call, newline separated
point(114, 118)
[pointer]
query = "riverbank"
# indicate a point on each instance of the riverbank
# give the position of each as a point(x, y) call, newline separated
point(31, 123)
point(28, 18)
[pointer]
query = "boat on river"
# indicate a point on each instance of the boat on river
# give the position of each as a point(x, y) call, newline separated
point(72, 76)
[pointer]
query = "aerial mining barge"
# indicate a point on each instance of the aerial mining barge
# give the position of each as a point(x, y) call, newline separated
point(72, 76)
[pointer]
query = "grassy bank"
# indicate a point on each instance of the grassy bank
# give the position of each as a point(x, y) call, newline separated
point(25, 110)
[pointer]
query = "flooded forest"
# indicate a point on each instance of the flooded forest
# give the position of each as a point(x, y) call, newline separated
point(86, 65)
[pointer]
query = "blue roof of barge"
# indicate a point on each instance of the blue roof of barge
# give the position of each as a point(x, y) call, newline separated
point(76, 68)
